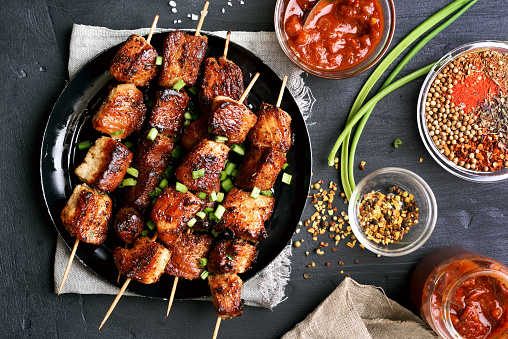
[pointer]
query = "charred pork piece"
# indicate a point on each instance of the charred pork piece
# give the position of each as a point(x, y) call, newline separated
point(183, 54)
point(273, 129)
point(144, 262)
point(260, 168)
point(134, 62)
point(128, 224)
point(195, 131)
point(105, 164)
point(154, 154)
point(223, 78)
point(122, 113)
point(168, 110)
point(245, 216)
point(226, 294)
point(185, 255)
point(231, 119)
point(138, 196)
point(200, 170)
point(172, 211)
point(87, 213)
point(231, 256)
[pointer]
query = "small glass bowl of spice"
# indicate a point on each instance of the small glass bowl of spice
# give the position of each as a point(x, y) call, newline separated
point(392, 211)
point(463, 111)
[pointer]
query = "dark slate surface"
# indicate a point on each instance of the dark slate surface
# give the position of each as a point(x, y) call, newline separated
point(35, 37)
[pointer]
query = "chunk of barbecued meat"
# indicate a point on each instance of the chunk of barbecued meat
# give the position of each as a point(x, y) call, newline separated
point(195, 131)
point(122, 113)
point(226, 294)
point(245, 216)
point(138, 196)
point(231, 119)
point(128, 224)
point(154, 154)
point(209, 157)
point(223, 78)
point(168, 110)
point(273, 129)
point(144, 262)
point(105, 164)
point(172, 211)
point(186, 252)
point(135, 62)
point(87, 213)
point(183, 54)
point(231, 256)
point(260, 168)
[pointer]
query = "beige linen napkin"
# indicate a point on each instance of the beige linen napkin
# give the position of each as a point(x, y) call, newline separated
point(265, 289)
point(355, 311)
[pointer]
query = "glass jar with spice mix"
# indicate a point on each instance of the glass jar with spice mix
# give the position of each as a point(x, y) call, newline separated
point(462, 294)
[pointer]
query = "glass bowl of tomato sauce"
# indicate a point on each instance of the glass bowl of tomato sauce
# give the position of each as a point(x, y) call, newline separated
point(340, 39)
point(462, 294)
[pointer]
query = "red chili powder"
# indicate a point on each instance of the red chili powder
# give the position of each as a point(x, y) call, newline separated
point(474, 89)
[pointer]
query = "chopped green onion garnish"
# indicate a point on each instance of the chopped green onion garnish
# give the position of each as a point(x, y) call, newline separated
point(230, 257)
point(203, 262)
point(267, 193)
point(168, 171)
point(179, 85)
point(144, 233)
point(255, 192)
point(115, 133)
point(129, 182)
point(84, 145)
point(234, 174)
point(208, 209)
point(285, 166)
point(154, 200)
point(223, 175)
point(164, 182)
point(227, 185)
point(180, 187)
point(212, 217)
point(201, 214)
point(191, 222)
point(155, 193)
point(202, 195)
point(190, 105)
point(219, 211)
point(198, 173)
point(151, 225)
point(129, 144)
point(187, 115)
point(238, 149)
point(132, 171)
point(220, 138)
point(286, 178)
point(152, 134)
point(158, 61)
point(177, 138)
point(397, 143)
point(220, 197)
point(186, 122)
point(214, 232)
point(195, 117)
point(176, 152)
point(230, 167)
point(193, 90)
point(209, 129)
point(213, 196)
point(204, 274)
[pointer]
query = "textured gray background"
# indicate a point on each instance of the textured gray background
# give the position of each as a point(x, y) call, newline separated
point(34, 40)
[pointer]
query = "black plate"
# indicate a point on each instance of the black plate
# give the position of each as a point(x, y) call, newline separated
point(69, 124)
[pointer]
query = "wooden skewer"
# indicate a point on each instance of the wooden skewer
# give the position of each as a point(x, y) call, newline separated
point(69, 264)
point(172, 297)
point(217, 325)
point(154, 24)
point(281, 93)
point(244, 95)
point(226, 46)
point(203, 14)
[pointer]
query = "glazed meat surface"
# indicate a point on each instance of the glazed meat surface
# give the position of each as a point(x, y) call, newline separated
point(244, 217)
point(122, 113)
point(128, 224)
point(226, 294)
point(208, 155)
point(87, 213)
point(105, 164)
point(223, 78)
point(135, 62)
point(231, 119)
point(154, 154)
point(195, 131)
point(138, 196)
point(183, 54)
point(231, 256)
point(144, 262)
point(272, 129)
point(260, 168)
point(172, 211)
point(168, 110)
point(185, 255)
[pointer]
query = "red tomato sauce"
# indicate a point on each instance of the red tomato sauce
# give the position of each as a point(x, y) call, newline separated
point(340, 36)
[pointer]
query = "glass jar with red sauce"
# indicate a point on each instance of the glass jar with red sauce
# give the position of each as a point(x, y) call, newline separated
point(343, 36)
point(462, 294)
